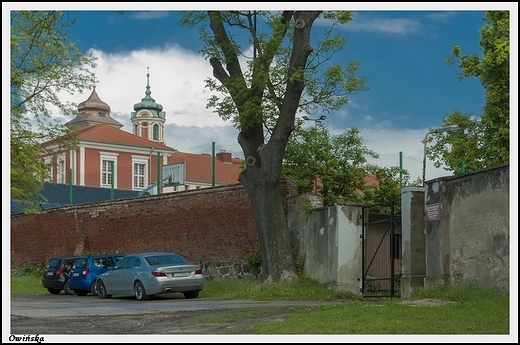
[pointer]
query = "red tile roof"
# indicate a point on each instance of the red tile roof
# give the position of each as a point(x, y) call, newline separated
point(104, 133)
point(199, 167)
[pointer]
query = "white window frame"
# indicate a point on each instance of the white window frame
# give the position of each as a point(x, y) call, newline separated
point(110, 157)
point(48, 162)
point(60, 169)
point(142, 161)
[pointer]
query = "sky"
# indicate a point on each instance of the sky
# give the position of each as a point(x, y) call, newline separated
point(401, 49)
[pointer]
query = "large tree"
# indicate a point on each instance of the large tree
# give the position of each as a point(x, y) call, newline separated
point(483, 141)
point(282, 74)
point(43, 64)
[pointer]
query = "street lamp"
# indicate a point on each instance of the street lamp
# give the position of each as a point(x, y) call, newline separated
point(316, 121)
point(448, 129)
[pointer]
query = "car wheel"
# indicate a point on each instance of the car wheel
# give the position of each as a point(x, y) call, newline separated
point(191, 294)
point(139, 291)
point(53, 291)
point(80, 292)
point(93, 289)
point(67, 289)
point(102, 291)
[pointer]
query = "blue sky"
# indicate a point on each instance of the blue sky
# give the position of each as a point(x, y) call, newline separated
point(401, 50)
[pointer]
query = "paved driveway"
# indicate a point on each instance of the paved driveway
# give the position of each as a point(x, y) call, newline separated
point(43, 306)
point(168, 314)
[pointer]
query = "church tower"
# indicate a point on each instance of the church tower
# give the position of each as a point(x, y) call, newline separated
point(148, 118)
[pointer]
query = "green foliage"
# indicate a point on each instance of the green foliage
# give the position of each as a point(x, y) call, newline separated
point(300, 267)
point(254, 260)
point(33, 271)
point(255, 95)
point(336, 167)
point(43, 64)
point(389, 181)
point(467, 145)
point(483, 141)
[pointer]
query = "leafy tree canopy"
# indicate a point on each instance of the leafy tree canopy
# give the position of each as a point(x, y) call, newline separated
point(336, 166)
point(482, 141)
point(43, 64)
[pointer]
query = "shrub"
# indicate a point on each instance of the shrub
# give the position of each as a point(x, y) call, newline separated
point(254, 260)
point(32, 271)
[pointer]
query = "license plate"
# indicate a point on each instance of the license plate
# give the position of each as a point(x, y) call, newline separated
point(76, 274)
point(181, 274)
point(49, 273)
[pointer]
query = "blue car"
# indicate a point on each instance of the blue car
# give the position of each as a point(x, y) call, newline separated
point(85, 271)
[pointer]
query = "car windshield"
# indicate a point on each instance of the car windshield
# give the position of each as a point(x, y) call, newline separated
point(172, 259)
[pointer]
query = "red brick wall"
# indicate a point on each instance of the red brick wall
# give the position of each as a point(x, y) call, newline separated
point(211, 225)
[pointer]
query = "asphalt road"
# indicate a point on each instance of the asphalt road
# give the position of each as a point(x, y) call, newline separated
point(42, 306)
point(163, 314)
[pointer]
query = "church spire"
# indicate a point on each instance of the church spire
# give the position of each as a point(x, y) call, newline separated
point(148, 102)
point(148, 118)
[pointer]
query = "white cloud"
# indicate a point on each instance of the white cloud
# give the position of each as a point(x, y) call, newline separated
point(393, 26)
point(148, 15)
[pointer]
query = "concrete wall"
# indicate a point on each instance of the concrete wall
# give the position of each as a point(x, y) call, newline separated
point(329, 239)
point(467, 229)
point(455, 230)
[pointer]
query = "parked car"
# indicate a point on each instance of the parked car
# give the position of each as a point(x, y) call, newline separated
point(86, 270)
point(146, 274)
point(56, 274)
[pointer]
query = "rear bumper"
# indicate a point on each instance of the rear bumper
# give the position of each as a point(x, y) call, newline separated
point(53, 284)
point(168, 286)
point(79, 285)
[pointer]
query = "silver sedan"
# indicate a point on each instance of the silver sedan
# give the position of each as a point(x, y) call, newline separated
point(146, 274)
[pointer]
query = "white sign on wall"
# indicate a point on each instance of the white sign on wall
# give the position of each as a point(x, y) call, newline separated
point(433, 212)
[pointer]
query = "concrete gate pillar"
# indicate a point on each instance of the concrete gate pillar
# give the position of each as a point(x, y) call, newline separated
point(413, 240)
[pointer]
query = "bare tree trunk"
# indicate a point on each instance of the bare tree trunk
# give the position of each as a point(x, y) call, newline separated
point(266, 199)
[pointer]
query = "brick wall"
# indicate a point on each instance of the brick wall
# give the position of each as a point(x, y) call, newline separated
point(214, 227)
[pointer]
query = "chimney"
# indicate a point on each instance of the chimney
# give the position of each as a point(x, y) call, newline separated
point(224, 157)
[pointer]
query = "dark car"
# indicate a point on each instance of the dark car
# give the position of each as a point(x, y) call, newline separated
point(145, 274)
point(56, 274)
point(86, 270)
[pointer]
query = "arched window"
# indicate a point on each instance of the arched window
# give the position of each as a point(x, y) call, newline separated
point(156, 132)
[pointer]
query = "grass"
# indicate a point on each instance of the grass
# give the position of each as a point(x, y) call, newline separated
point(252, 289)
point(465, 310)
